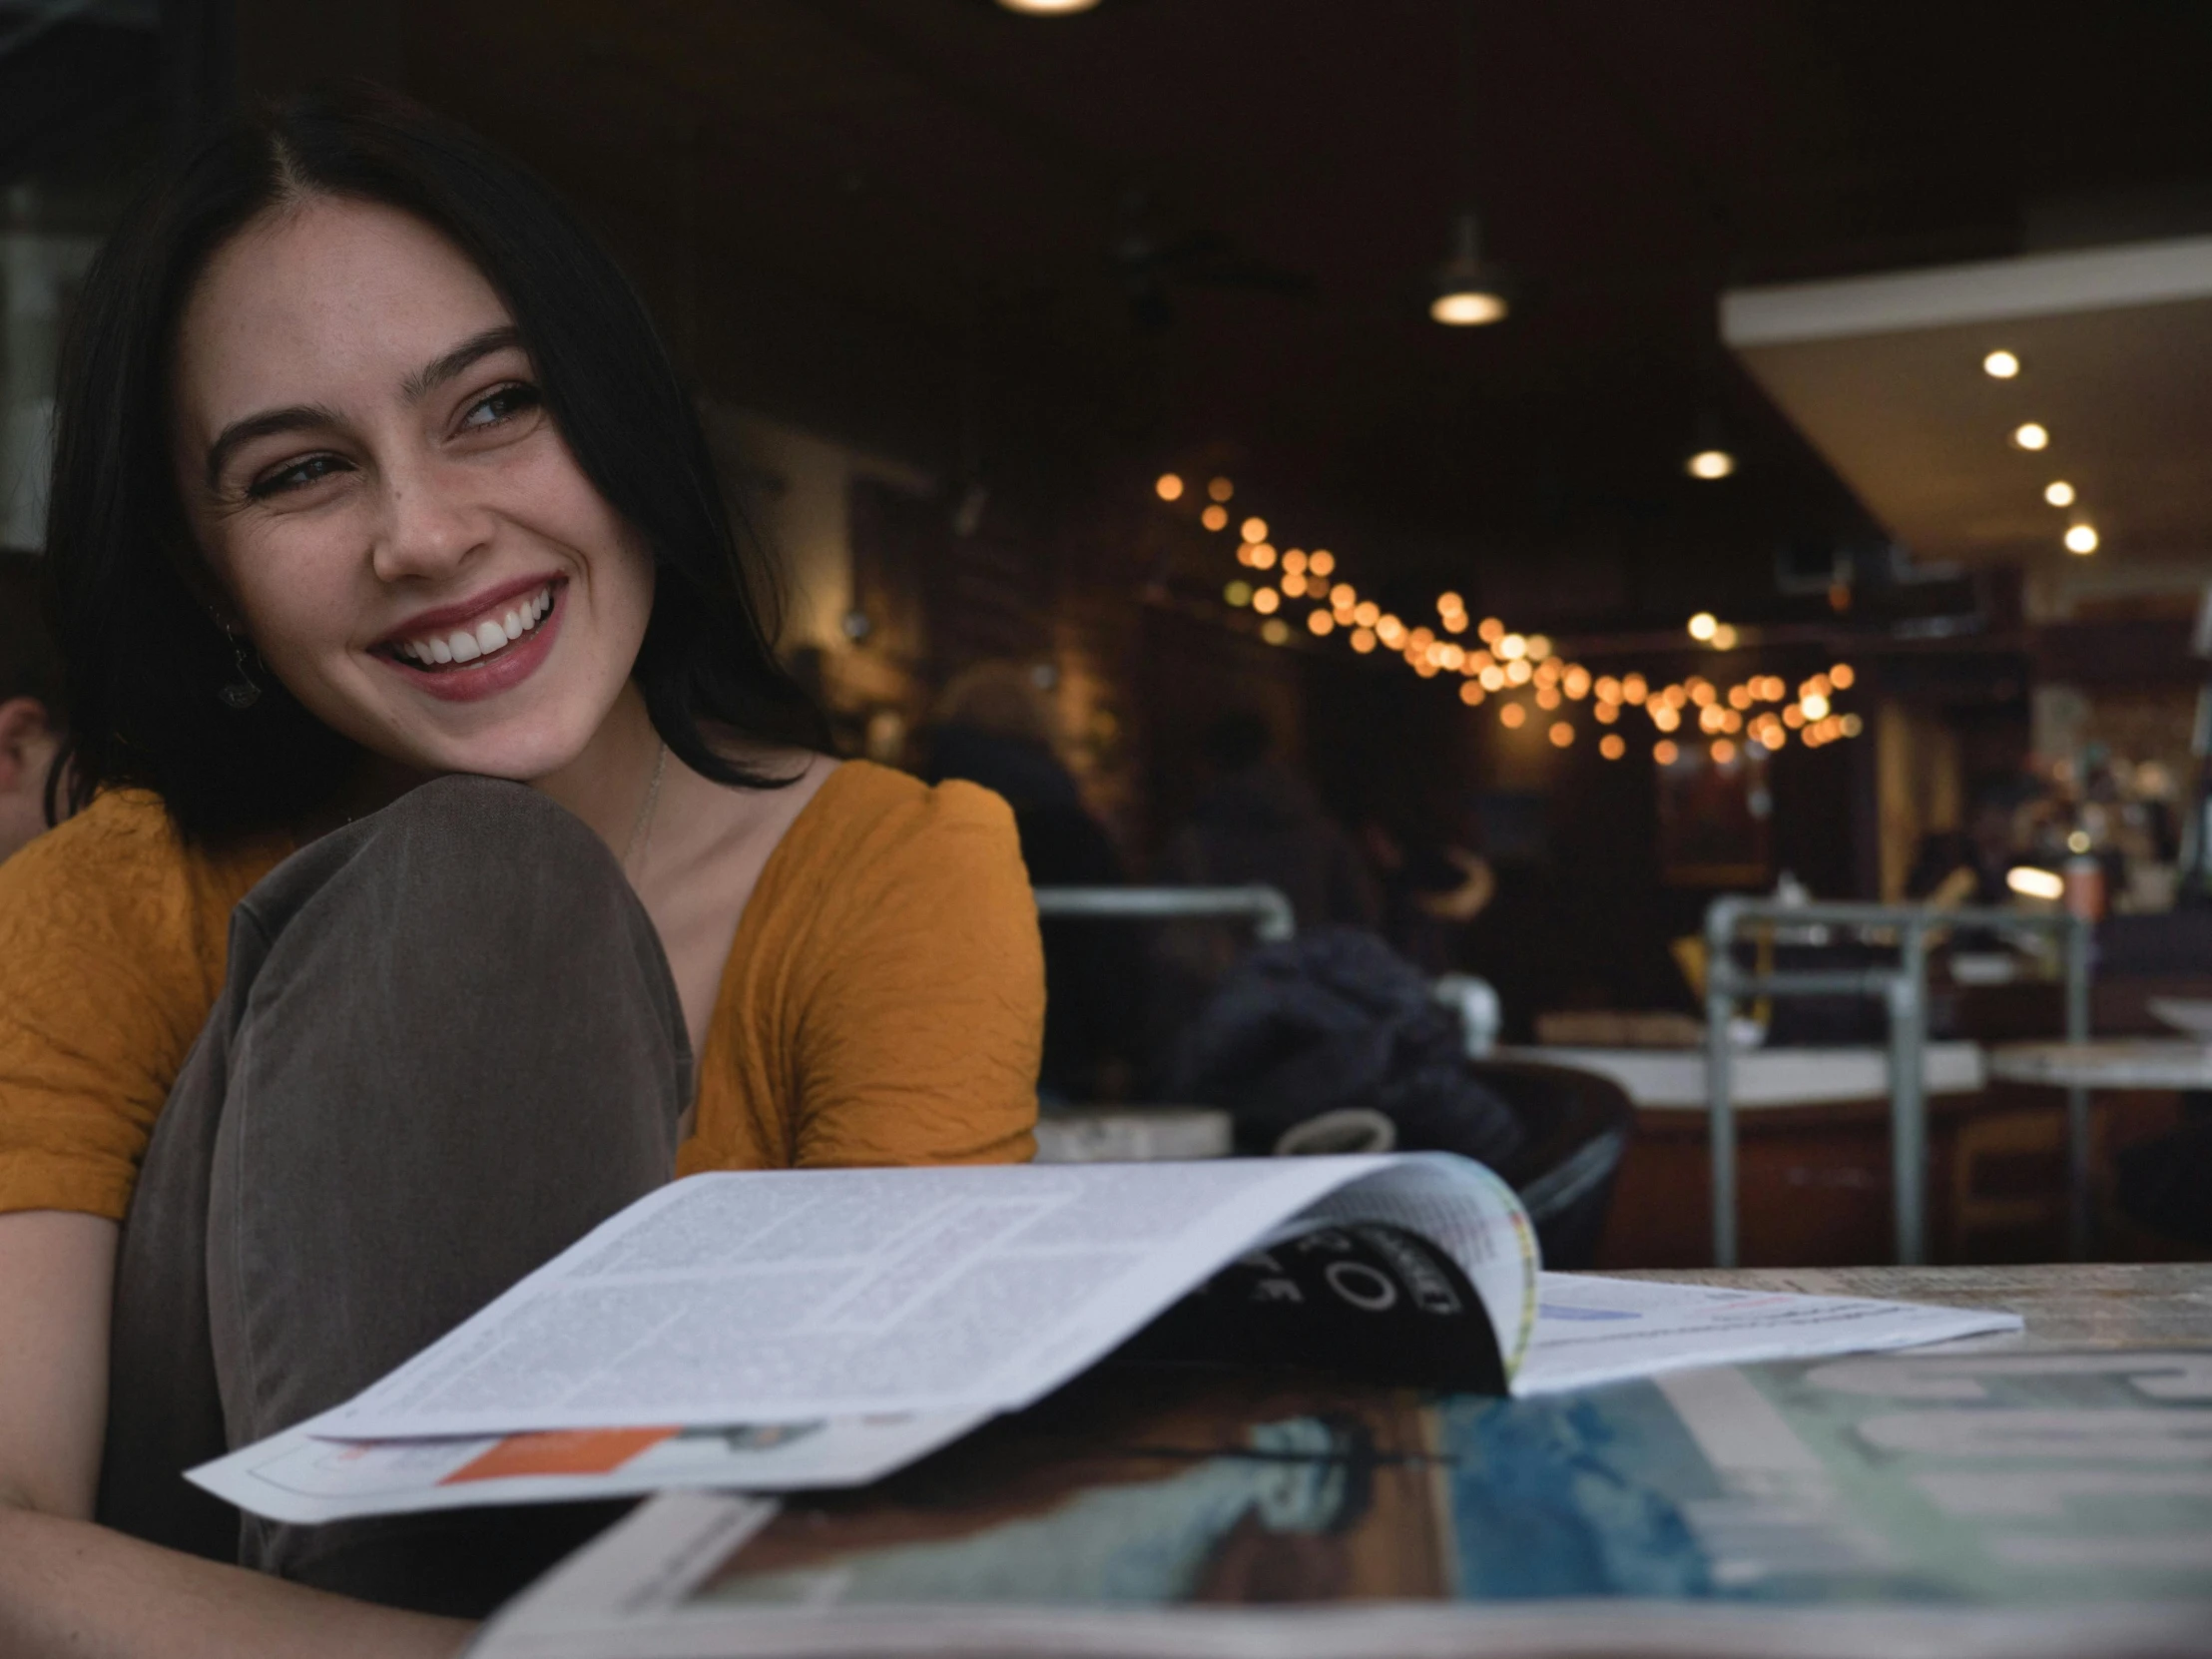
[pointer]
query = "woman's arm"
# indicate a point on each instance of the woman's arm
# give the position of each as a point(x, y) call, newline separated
point(71, 1588)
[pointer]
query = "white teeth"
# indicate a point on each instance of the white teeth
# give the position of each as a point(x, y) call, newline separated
point(465, 645)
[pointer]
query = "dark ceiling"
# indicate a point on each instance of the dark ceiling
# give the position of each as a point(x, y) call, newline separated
point(898, 221)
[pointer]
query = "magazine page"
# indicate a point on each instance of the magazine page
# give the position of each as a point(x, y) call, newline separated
point(793, 1296)
point(1591, 1329)
point(296, 1476)
point(1993, 1500)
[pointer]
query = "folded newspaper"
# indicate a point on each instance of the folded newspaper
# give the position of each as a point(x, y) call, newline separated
point(774, 1331)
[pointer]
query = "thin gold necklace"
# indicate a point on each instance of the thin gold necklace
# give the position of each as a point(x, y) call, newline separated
point(641, 833)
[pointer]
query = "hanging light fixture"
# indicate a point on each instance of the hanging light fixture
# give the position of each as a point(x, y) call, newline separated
point(1469, 290)
point(1048, 8)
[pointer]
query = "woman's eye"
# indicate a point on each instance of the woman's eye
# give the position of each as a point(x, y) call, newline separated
point(502, 405)
point(295, 475)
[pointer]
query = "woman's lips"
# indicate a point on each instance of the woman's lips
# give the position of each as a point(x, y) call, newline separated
point(491, 671)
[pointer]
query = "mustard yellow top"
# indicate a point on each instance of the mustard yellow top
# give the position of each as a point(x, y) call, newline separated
point(884, 1001)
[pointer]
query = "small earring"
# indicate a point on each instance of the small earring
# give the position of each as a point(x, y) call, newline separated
point(241, 694)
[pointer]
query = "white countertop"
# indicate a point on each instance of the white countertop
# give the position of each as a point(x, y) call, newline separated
point(2115, 1063)
point(1674, 1078)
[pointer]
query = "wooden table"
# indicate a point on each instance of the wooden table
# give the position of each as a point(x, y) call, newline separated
point(1148, 1515)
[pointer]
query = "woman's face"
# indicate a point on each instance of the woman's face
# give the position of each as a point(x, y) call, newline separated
point(387, 506)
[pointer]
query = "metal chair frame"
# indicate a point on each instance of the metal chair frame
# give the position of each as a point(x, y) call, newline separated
point(1903, 989)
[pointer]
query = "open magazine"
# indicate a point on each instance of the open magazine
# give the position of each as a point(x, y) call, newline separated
point(1999, 1501)
point(786, 1330)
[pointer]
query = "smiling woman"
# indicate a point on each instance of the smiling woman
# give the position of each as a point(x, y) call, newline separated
point(452, 862)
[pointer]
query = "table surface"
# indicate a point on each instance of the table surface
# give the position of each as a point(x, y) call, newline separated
point(2112, 1063)
point(2090, 1305)
point(1764, 1078)
point(1045, 1534)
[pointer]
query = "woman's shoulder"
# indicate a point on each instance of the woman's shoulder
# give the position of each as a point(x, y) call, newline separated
point(122, 860)
point(876, 813)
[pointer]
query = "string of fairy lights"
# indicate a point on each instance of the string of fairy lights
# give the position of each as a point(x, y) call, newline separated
point(1523, 675)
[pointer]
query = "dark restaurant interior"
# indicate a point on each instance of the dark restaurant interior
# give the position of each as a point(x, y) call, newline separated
point(1506, 477)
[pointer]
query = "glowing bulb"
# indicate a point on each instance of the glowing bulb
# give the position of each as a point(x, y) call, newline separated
point(1267, 601)
point(1724, 751)
point(1739, 697)
point(1447, 603)
point(1213, 518)
point(1539, 646)
point(1841, 677)
point(1664, 752)
point(1607, 713)
point(1255, 529)
point(1221, 489)
point(1664, 717)
point(1512, 715)
point(1815, 707)
point(1367, 612)
point(1547, 696)
point(1451, 657)
point(2059, 493)
point(2083, 538)
point(1513, 648)
point(1710, 463)
point(1561, 734)
point(1611, 746)
point(1633, 687)
point(1276, 630)
point(1237, 593)
point(1492, 630)
point(2030, 882)
point(1703, 625)
point(1294, 584)
point(1519, 673)
point(1320, 562)
point(2000, 365)
point(1467, 308)
point(1470, 694)
point(1493, 677)
point(1320, 624)
point(2028, 435)
point(1263, 557)
point(1048, 8)
point(1362, 640)
point(1577, 682)
point(1293, 560)
point(1170, 487)
point(1852, 726)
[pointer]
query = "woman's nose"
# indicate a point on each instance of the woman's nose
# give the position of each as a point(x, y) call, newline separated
point(432, 522)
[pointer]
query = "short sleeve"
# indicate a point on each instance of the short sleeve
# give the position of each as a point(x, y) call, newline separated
point(106, 972)
point(921, 1017)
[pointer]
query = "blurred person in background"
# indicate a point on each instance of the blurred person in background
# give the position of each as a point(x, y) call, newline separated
point(994, 726)
point(30, 700)
point(1259, 822)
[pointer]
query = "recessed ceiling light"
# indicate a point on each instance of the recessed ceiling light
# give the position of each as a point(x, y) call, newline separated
point(2083, 538)
point(2028, 435)
point(1710, 463)
point(2059, 493)
point(1048, 8)
point(2000, 365)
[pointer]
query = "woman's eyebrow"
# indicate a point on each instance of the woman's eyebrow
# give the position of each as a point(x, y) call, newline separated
point(300, 417)
point(432, 375)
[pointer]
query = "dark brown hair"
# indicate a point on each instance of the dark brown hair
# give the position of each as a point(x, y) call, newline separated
point(144, 662)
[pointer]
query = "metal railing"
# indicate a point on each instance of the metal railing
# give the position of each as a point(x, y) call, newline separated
point(1903, 989)
point(1273, 920)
